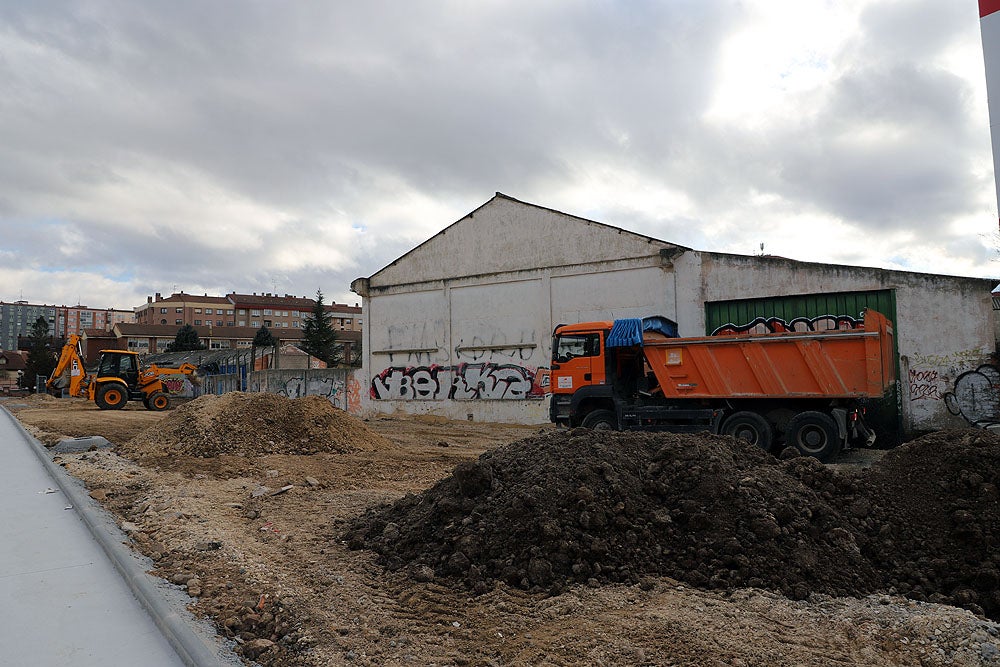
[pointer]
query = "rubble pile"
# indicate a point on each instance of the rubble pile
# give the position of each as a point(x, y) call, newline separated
point(598, 507)
point(253, 424)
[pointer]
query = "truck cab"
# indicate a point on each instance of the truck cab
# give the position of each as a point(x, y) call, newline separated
point(578, 376)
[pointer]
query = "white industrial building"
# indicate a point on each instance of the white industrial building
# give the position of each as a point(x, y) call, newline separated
point(460, 326)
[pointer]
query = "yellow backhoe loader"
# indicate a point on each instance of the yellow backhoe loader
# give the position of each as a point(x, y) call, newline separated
point(121, 377)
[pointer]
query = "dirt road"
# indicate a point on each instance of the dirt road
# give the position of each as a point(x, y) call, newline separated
point(258, 541)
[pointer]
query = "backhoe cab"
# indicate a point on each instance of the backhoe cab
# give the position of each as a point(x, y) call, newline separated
point(121, 378)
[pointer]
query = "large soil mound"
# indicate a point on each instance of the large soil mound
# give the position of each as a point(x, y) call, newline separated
point(936, 507)
point(254, 424)
point(591, 506)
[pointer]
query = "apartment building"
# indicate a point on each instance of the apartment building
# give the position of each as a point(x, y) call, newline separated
point(242, 310)
point(18, 317)
point(180, 308)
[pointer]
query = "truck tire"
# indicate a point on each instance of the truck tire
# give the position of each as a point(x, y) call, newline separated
point(750, 427)
point(158, 402)
point(814, 434)
point(601, 420)
point(111, 396)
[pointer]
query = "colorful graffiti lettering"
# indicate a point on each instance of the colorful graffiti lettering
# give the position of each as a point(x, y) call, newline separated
point(764, 325)
point(175, 385)
point(976, 396)
point(925, 385)
point(461, 382)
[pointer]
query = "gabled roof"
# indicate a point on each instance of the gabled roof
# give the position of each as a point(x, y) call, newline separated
point(13, 361)
point(522, 236)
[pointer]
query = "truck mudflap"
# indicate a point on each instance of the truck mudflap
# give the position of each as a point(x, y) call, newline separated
point(852, 428)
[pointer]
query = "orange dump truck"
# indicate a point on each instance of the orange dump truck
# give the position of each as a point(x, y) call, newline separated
point(805, 389)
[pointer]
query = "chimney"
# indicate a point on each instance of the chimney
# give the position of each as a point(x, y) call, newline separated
point(158, 296)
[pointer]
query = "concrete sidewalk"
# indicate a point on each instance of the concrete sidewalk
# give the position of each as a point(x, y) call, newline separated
point(70, 592)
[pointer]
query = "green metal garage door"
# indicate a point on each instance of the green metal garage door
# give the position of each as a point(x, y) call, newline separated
point(821, 311)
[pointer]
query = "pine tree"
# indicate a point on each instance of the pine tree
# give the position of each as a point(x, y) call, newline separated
point(318, 336)
point(41, 357)
point(264, 338)
point(186, 340)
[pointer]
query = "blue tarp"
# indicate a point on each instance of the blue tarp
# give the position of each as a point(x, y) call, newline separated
point(628, 332)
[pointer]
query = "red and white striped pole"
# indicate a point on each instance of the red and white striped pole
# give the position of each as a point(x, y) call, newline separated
point(989, 24)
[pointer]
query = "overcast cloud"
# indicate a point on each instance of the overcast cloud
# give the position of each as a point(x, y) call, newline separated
point(288, 147)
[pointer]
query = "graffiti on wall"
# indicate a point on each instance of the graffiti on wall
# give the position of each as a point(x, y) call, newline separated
point(477, 381)
point(481, 349)
point(298, 386)
point(175, 385)
point(976, 396)
point(765, 325)
point(925, 385)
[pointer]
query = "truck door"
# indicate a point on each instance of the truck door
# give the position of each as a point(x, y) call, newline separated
point(577, 362)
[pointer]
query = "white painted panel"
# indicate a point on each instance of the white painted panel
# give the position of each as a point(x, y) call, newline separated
point(503, 322)
point(612, 295)
point(413, 324)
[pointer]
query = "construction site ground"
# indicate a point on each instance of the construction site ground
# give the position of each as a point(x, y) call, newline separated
point(298, 546)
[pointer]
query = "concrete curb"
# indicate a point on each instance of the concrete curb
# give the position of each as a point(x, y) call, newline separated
point(192, 649)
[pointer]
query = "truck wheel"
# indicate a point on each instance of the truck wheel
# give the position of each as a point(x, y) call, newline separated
point(601, 420)
point(814, 434)
point(158, 402)
point(111, 396)
point(750, 427)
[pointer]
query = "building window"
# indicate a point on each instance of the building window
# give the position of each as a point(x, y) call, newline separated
point(229, 312)
point(197, 322)
point(295, 325)
point(163, 321)
point(198, 310)
point(163, 311)
point(178, 321)
point(243, 323)
point(267, 311)
point(255, 324)
point(178, 310)
point(208, 311)
point(218, 323)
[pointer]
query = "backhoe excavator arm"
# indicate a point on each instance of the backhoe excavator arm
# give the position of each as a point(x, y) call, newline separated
point(69, 373)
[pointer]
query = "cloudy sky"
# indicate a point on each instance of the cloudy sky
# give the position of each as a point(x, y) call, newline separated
point(287, 147)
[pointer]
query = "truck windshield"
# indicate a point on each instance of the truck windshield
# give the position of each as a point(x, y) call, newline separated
point(570, 346)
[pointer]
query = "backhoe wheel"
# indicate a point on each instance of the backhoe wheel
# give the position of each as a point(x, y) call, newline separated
point(749, 427)
point(601, 420)
point(814, 434)
point(111, 396)
point(158, 402)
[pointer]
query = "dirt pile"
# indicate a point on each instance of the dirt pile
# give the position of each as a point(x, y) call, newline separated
point(597, 507)
point(253, 424)
point(936, 504)
point(601, 507)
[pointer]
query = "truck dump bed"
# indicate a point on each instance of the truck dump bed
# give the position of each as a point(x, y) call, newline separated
point(853, 363)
